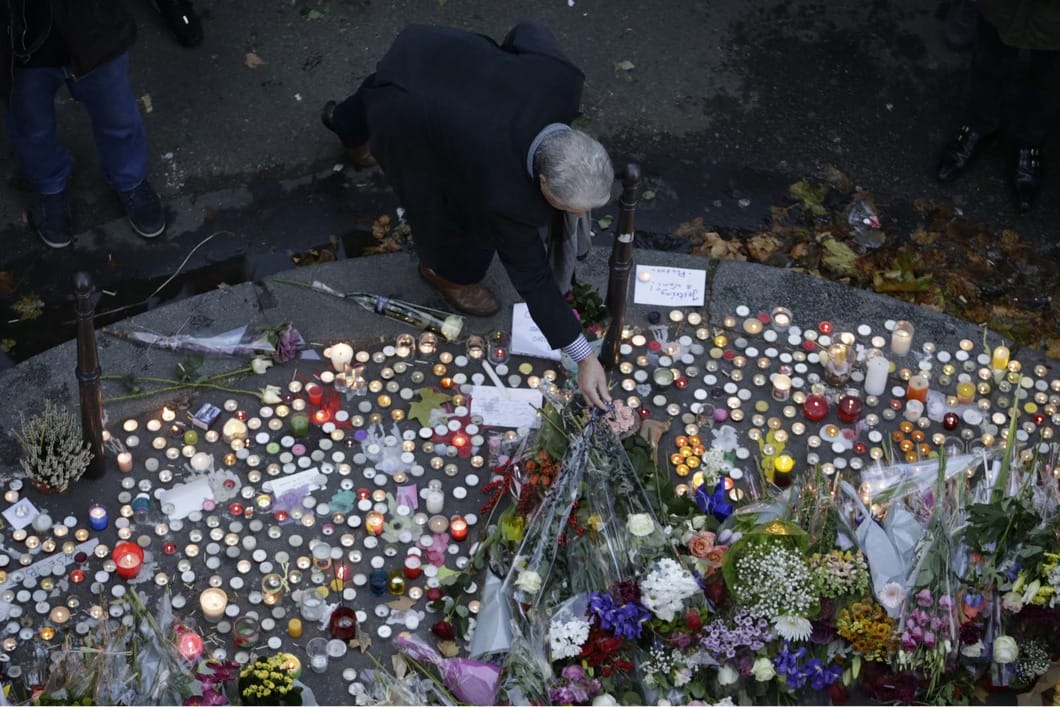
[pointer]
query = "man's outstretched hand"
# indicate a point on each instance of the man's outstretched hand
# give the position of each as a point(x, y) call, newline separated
point(592, 382)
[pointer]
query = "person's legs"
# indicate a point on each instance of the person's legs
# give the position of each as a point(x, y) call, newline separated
point(117, 125)
point(31, 129)
point(992, 63)
point(1038, 115)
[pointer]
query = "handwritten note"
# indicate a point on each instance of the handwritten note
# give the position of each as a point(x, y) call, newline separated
point(527, 339)
point(669, 287)
point(505, 407)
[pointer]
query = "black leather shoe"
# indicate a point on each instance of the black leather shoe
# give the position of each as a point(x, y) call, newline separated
point(359, 155)
point(327, 115)
point(958, 153)
point(1027, 181)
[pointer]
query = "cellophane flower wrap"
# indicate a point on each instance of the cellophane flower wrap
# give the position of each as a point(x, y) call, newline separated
point(929, 627)
point(594, 582)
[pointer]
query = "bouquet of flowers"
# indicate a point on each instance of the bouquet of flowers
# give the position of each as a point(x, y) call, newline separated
point(268, 680)
point(594, 579)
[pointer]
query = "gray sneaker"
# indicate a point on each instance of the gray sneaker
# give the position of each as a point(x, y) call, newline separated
point(144, 208)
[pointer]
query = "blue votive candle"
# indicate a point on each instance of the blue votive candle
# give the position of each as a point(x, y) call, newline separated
point(97, 517)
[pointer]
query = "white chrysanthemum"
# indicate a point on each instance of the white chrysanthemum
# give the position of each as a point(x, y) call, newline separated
point(566, 638)
point(892, 595)
point(793, 628)
point(665, 589)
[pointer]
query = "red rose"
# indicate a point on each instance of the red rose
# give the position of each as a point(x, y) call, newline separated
point(837, 694)
point(444, 630)
point(693, 621)
point(717, 593)
point(434, 594)
point(624, 665)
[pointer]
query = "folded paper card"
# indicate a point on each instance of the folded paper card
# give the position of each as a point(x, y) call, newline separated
point(505, 407)
point(527, 339)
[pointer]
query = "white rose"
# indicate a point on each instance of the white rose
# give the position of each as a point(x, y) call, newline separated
point(604, 699)
point(270, 395)
point(1012, 602)
point(529, 582)
point(763, 670)
point(640, 524)
point(1005, 650)
point(727, 676)
point(260, 364)
point(724, 702)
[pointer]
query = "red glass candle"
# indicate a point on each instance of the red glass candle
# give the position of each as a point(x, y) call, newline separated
point(815, 407)
point(850, 406)
point(129, 558)
point(315, 393)
point(950, 421)
point(413, 567)
point(458, 528)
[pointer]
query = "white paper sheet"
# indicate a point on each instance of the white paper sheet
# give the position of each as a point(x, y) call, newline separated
point(21, 513)
point(505, 407)
point(670, 287)
point(527, 339)
point(188, 497)
point(282, 484)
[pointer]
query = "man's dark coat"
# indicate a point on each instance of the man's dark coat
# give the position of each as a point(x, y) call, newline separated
point(452, 116)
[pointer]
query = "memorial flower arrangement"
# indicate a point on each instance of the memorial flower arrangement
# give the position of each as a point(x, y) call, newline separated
point(589, 308)
point(268, 680)
point(54, 453)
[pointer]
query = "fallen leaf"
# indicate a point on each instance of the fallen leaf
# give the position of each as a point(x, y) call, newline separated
point(253, 61)
point(1052, 348)
point(401, 666)
point(145, 101)
point(315, 14)
point(28, 307)
point(835, 177)
point(6, 345)
point(449, 649)
point(648, 195)
point(838, 258)
point(604, 222)
point(811, 196)
point(624, 65)
point(922, 237)
point(402, 604)
point(7, 283)
point(363, 641)
point(762, 245)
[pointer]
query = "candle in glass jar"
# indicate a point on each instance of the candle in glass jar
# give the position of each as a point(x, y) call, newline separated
point(190, 646)
point(97, 516)
point(965, 392)
point(815, 407)
point(781, 317)
point(213, 602)
point(458, 528)
point(300, 424)
point(901, 338)
point(128, 559)
point(913, 410)
point(917, 388)
point(662, 378)
point(233, 429)
point(315, 393)
point(782, 468)
point(291, 663)
point(850, 406)
point(321, 416)
point(413, 567)
point(373, 523)
point(781, 387)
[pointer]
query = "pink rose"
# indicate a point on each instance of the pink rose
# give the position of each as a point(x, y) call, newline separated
point(701, 543)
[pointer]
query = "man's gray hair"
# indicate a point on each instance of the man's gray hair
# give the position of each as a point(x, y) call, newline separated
point(577, 169)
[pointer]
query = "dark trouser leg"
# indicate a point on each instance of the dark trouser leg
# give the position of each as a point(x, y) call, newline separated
point(350, 117)
point(31, 129)
point(992, 64)
point(1039, 113)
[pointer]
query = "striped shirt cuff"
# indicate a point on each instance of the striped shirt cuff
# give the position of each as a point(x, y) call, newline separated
point(579, 349)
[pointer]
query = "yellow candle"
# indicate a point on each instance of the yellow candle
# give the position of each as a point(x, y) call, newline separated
point(294, 628)
point(965, 392)
point(999, 359)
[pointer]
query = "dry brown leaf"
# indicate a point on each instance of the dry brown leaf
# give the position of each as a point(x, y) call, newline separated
point(402, 604)
point(7, 283)
point(922, 237)
point(253, 61)
point(762, 245)
point(449, 649)
point(401, 666)
point(1052, 348)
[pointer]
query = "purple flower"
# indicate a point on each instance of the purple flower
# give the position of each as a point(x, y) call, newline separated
point(929, 639)
point(945, 602)
point(288, 340)
point(627, 592)
point(573, 672)
point(626, 621)
point(924, 598)
point(680, 640)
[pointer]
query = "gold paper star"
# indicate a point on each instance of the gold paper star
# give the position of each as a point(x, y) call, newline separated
point(402, 604)
point(430, 399)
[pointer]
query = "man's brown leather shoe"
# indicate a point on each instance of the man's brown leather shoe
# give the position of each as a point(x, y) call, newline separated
point(475, 299)
point(359, 155)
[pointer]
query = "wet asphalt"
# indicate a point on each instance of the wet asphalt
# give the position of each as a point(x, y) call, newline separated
point(726, 104)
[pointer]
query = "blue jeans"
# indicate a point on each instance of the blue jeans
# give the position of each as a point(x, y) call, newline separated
point(116, 125)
